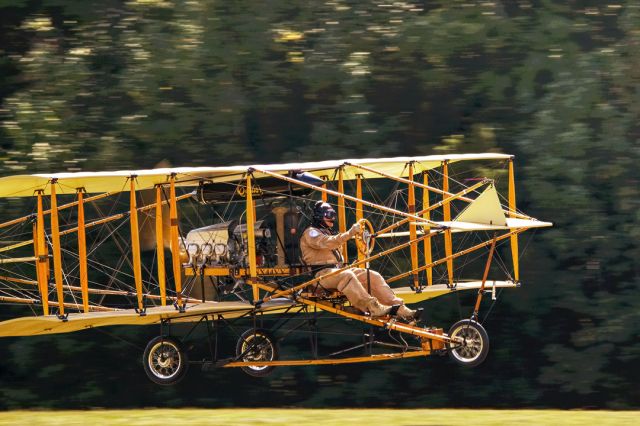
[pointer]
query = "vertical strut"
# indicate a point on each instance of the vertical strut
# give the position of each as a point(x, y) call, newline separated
point(484, 277)
point(359, 213)
point(162, 283)
point(82, 252)
point(324, 185)
point(41, 257)
point(251, 238)
point(412, 228)
point(175, 243)
point(446, 209)
point(36, 255)
point(512, 213)
point(47, 266)
point(135, 241)
point(55, 241)
point(427, 230)
point(342, 214)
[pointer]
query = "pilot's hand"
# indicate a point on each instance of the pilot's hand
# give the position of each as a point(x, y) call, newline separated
point(355, 229)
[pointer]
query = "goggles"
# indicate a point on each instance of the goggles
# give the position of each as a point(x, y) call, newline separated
point(329, 214)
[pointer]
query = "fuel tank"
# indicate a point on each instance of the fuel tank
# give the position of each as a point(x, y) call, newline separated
point(266, 187)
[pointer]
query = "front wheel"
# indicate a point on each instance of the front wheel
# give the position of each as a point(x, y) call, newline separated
point(473, 346)
point(164, 360)
point(257, 345)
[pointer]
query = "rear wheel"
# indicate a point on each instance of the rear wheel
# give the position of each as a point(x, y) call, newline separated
point(257, 345)
point(164, 360)
point(474, 345)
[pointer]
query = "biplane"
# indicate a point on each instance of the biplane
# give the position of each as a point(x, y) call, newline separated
point(216, 249)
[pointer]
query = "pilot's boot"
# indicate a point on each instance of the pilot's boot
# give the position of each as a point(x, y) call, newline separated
point(376, 309)
point(407, 314)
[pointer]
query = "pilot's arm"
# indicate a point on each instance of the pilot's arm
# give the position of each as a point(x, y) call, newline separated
point(321, 241)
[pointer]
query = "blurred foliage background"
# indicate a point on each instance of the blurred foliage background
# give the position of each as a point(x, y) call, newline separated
point(111, 84)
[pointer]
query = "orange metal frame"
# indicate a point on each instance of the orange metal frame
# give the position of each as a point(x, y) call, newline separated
point(329, 361)
point(162, 282)
point(135, 242)
point(427, 242)
point(431, 339)
point(82, 252)
point(57, 255)
point(413, 217)
point(425, 211)
point(412, 227)
point(175, 245)
point(40, 248)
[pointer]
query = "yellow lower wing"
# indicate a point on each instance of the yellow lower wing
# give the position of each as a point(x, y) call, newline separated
point(50, 324)
point(432, 291)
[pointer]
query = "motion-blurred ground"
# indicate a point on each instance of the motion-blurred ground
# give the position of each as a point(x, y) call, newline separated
point(319, 417)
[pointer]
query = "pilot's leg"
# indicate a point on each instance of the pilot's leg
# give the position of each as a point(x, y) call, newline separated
point(347, 283)
point(379, 287)
point(381, 290)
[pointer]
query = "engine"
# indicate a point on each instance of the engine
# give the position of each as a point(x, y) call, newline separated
point(225, 244)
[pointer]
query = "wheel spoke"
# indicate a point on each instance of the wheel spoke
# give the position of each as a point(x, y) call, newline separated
point(256, 346)
point(165, 360)
point(474, 346)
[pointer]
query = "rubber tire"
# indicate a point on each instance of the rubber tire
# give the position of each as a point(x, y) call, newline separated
point(249, 335)
point(479, 333)
point(177, 349)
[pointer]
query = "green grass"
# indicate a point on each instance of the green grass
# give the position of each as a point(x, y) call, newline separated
point(352, 417)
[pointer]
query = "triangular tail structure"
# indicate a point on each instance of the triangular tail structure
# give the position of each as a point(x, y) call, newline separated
point(484, 210)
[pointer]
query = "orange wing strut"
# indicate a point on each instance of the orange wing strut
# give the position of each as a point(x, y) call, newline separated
point(82, 252)
point(324, 185)
point(345, 196)
point(359, 213)
point(427, 230)
point(55, 241)
point(484, 277)
point(175, 243)
point(62, 207)
point(135, 241)
point(412, 228)
point(342, 214)
point(446, 208)
point(454, 255)
point(162, 283)
point(251, 238)
point(512, 213)
point(41, 257)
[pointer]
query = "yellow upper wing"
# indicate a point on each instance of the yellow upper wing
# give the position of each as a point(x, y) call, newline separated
point(99, 182)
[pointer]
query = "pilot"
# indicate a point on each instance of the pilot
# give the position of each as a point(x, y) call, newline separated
point(320, 247)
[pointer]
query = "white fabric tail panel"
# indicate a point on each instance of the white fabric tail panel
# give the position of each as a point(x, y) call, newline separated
point(485, 209)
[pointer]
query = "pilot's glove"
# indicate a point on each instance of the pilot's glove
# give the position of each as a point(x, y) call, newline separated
point(355, 229)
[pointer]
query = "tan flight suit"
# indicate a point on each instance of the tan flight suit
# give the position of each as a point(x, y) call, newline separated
point(319, 248)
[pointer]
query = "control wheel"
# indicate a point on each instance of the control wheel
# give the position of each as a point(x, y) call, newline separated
point(364, 238)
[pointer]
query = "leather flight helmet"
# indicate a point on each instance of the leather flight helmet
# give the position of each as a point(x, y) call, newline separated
point(321, 211)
